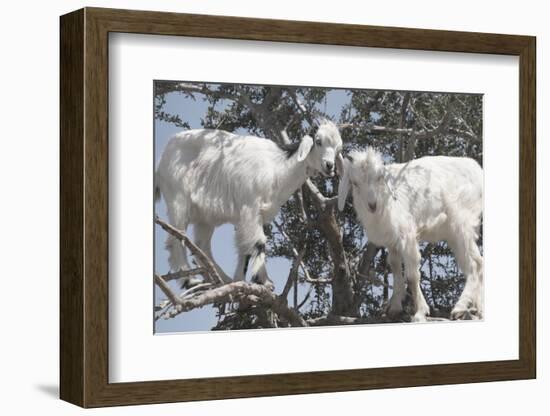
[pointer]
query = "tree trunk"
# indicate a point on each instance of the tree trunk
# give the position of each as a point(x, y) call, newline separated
point(342, 288)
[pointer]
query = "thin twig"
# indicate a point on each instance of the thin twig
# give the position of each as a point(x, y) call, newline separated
point(183, 273)
point(307, 276)
point(192, 291)
point(306, 297)
point(293, 274)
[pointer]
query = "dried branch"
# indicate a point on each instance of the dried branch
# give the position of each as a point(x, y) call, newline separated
point(374, 280)
point(342, 288)
point(303, 109)
point(305, 299)
point(192, 291)
point(300, 198)
point(172, 297)
point(414, 134)
point(402, 119)
point(200, 256)
point(316, 193)
point(423, 135)
point(293, 274)
point(372, 128)
point(183, 273)
point(294, 251)
point(261, 112)
point(339, 320)
point(239, 292)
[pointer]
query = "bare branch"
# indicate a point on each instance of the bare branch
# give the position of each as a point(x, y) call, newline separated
point(172, 297)
point(183, 273)
point(192, 291)
point(293, 274)
point(467, 134)
point(300, 198)
point(414, 135)
point(319, 197)
point(303, 109)
point(261, 112)
point(240, 292)
point(372, 128)
point(374, 280)
point(342, 289)
point(403, 116)
point(294, 251)
point(339, 320)
point(306, 297)
point(200, 256)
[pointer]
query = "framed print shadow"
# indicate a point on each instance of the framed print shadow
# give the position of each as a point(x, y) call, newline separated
point(255, 207)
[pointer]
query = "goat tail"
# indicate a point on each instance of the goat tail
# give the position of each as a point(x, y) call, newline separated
point(464, 211)
point(157, 193)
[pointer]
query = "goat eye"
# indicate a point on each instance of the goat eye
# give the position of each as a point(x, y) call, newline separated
point(318, 142)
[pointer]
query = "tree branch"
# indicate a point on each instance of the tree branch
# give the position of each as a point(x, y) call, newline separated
point(342, 289)
point(183, 273)
point(293, 274)
point(339, 320)
point(172, 297)
point(303, 109)
point(200, 256)
point(322, 201)
point(402, 119)
point(239, 292)
point(295, 252)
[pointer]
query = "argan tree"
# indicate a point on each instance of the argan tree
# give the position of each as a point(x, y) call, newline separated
point(346, 278)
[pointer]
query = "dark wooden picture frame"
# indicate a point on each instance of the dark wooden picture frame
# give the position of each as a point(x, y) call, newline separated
point(84, 207)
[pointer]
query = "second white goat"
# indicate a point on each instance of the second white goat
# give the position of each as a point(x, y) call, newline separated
point(433, 198)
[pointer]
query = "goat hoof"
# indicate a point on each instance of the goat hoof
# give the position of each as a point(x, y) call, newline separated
point(393, 312)
point(267, 283)
point(419, 318)
point(190, 282)
point(463, 314)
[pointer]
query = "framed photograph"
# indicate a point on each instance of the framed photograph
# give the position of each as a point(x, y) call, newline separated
point(256, 207)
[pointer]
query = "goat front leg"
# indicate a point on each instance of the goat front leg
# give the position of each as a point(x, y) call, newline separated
point(395, 305)
point(242, 267)
point(251, 241)
point(262, 278)
point(412, 271)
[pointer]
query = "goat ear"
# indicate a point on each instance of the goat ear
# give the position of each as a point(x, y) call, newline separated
point(343, 187)
point(305, 146)
point(340, 164)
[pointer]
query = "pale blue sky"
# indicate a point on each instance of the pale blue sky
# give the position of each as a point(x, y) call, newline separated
point(223, 246)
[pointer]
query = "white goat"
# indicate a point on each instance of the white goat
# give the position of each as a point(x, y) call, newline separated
point(212, 177)
point(433, 198)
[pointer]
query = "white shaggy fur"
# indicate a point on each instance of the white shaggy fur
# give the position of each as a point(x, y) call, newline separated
point(212, 177)
point(432, 199)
